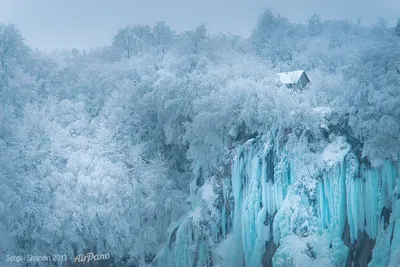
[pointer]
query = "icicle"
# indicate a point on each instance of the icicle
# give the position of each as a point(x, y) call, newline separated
point(366, 192)
point(237, 182)
point(252, 251)
point(371, 211)
point(223, 219)
point(226, 223)
point(342, 200)
point(202, 255)
point(259, 187)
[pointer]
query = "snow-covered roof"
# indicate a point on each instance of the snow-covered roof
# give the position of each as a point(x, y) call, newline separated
point(291, 77)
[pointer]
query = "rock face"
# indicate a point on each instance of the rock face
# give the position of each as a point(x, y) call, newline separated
point(360, 252)
point(270, 249)
point(270, 213)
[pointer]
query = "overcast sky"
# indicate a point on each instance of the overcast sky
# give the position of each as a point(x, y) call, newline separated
point(50, 24)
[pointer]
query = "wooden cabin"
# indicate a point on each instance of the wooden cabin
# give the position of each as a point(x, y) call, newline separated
point(294, 79)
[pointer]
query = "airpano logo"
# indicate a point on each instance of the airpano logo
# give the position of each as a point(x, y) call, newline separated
point(91, 257)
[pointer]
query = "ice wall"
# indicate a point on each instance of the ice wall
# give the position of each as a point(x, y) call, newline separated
point(263, 214)
point(260, 178)
point(358, 193)
point(359, 198)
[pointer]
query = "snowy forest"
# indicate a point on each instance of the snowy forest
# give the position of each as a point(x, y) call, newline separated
point(184, 149)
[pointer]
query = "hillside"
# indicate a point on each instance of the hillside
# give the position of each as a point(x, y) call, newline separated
point(184, 149)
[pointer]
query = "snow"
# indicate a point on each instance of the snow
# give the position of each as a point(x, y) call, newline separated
point(299, 251)
point(336, 151)
point(196, 215)
point(208, 194)
point(5, 240)
point(324, 112)
point(291, 77)
point(225, 249)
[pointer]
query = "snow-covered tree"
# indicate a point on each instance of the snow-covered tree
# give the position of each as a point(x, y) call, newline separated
point(132, 39)
point(381, 26)
point(315, 24)
point(397, 27)
point(12, 47)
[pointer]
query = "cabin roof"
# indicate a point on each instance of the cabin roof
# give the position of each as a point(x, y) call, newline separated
point(291, 77)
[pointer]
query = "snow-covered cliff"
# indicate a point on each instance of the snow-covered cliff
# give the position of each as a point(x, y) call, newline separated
point(272, 213)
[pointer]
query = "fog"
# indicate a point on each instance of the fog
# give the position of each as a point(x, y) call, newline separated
point(50, 24)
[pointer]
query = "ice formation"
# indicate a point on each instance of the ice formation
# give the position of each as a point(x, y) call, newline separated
point(263, 215)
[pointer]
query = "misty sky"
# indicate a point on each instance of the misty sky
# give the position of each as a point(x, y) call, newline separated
point(50, 24)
